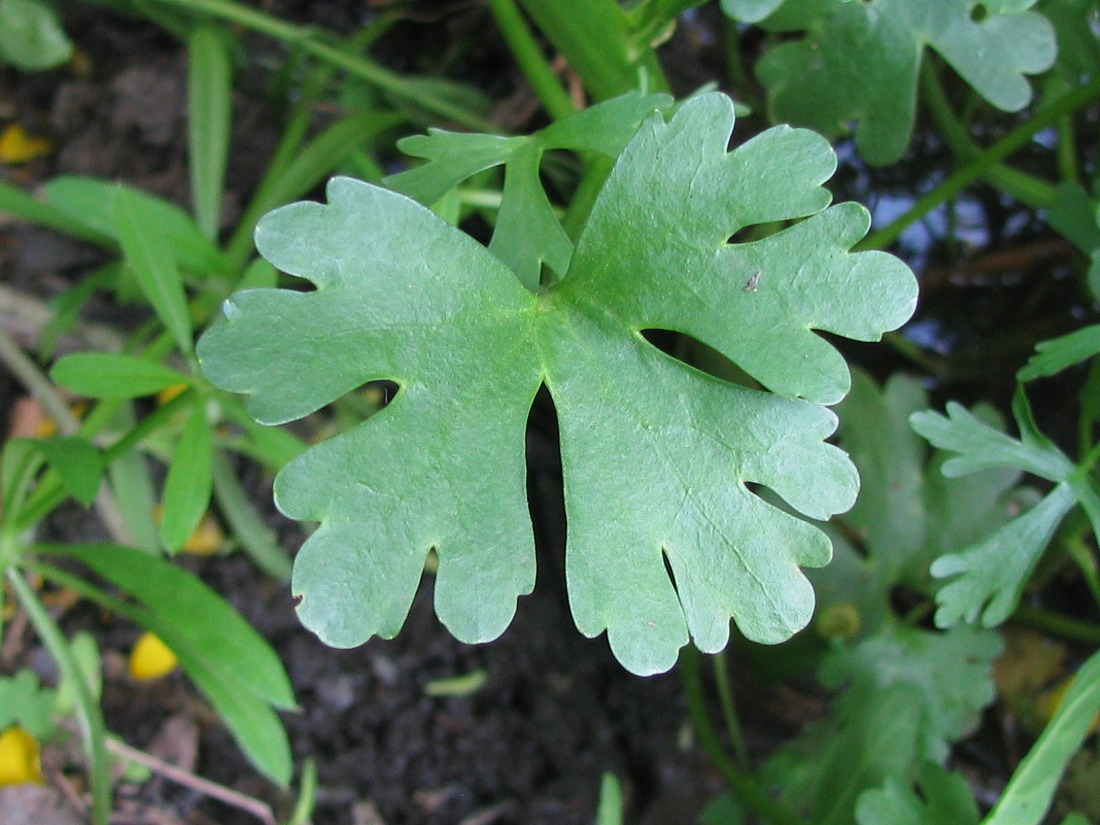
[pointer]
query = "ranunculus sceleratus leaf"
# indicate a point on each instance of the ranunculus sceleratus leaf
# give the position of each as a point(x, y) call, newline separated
point(815, 81)
point(658, 458)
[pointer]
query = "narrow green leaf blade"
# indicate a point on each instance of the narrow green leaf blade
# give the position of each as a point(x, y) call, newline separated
point(14, 201)
point(209, 97)
point(77, 463)
point(91, 203)
point(227, 659)
point(154, 267)
point(1028, 795)
point(106, 375)
point(190, 481)
point(256, 537)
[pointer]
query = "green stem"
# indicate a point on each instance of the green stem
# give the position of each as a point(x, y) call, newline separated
point(735, 67)
point(981, 165)
point(1072, 629)
point(747, 789)
point(93, 728)
point(31, 377)
point(1028, 189)
point(729, 712)
point(530, 59)
point(305, 38)
point(595, 37)
point(584, 198)
point(50, 493)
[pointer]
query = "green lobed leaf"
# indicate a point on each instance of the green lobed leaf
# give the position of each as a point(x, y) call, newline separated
point(189, 482)
point(222, 653)
point(949, 673)
point(107, 375)
point(991, 573)
point(402, 296)
point(945, 799)
point(908, 512)
point(814, 81)
point(905, 699)
point(25, 702)
point(1029, 792)
point(31, 36)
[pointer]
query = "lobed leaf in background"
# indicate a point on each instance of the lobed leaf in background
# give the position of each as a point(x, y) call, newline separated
point(944, 799)
point(908, 513)
point(814, 81)
point(402, 296)
point(31, 36)
point(988, 576)
point(905, 694)
point(527, 233)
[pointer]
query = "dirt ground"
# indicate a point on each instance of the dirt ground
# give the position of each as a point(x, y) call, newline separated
point(555, 710)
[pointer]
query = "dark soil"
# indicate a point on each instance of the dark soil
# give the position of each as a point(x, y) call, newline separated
point(556, 710)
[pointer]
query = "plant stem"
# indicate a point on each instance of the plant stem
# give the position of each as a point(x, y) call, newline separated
point(260, 810)
point(745, 787)
point(1028, 189)
point(1059, 625)
point(735, 67)
point(49, 495)
point(36, 382)
point(530, 59)
point(979, 166)
point(729, 712)
point(94, 729)
point(595, 37)
point(584, 198)
point(306, 39)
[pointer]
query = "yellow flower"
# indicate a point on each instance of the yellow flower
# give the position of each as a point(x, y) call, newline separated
point(151, 658)
point(19, 758)
point(16, 146)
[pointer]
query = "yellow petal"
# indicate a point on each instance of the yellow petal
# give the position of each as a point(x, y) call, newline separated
point(19, 758)
point(1050, 700)
point(205, 540)
point(170, 392)
point(151, 658)
point(16, 146)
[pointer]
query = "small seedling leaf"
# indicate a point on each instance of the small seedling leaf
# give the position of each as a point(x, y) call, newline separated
point(992, 572)
point(1057, 354)
point(402, 296)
